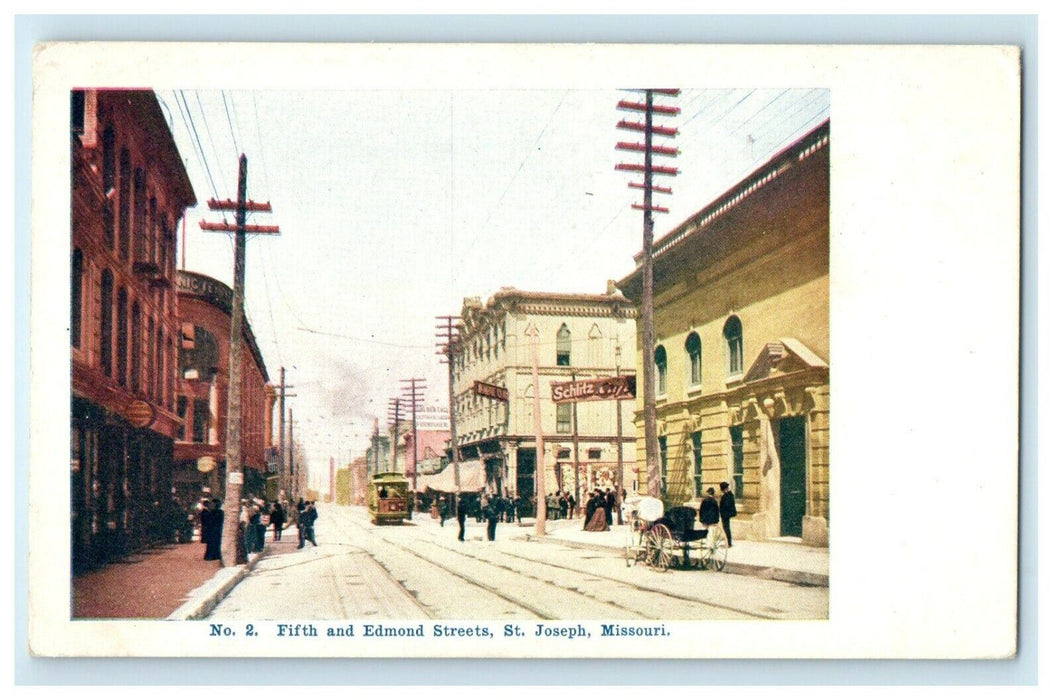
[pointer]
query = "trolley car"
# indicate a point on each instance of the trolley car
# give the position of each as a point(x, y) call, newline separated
point(388, 499)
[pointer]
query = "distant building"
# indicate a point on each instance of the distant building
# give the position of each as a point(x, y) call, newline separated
point(129, 188)
point(577, 338)
point(742, 347)
point(205, 310)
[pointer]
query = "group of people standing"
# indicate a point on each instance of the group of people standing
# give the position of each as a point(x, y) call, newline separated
point(253, 526)
point(560, 505)
point(713, 509)
point(599, 510)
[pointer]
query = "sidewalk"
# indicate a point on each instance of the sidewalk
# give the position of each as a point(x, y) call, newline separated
point(779, 560)
point(168, 582)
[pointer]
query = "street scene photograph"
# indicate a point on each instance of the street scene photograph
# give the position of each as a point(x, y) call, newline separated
point(402, 355)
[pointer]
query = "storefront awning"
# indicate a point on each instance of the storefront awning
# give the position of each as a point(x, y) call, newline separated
point(472, 478)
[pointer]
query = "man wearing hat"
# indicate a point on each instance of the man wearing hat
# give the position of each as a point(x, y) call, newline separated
point(728, 509)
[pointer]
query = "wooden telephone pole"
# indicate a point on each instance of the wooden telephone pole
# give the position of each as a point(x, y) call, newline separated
point(413, 398)
point(649, 109)
point(446, 333)
point(234, 430)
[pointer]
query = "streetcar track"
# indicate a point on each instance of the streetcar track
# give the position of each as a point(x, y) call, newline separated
point(552, 584)
point(634, 586)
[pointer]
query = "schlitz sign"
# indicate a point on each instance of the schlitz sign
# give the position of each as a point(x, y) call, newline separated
point(490, 391)
point(606, 389)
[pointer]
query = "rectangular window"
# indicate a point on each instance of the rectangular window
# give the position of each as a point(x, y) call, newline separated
point(662, 462)
point(200, 420)
point(106, 321)
point(736, 437)
point(77, 111)
point(563, 417)
point(136, 350)
point(123, 338)
point(697, 462)
point(595, 454)
point(76, 275)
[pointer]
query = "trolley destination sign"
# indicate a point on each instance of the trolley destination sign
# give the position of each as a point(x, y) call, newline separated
point(606, 389)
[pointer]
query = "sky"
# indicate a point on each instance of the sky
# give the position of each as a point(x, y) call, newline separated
point(394, 206)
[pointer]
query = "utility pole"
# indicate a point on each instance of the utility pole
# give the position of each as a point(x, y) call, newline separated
point(446, 333)
point(539, 471)
point(234, 425)
point(577, 461)
point(395, 407)
point(290, 446)
point(285, 480)
point(649, 109)
point(413, 398)
point(618, 432)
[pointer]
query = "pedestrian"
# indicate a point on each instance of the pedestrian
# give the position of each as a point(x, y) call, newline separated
point(310, 523)
point(609, 505)
point(442, 509)
point(277, 518)
point(461, 517)
point(492, 515)
point(596, 519)
point(571, 503)
point(709, 513)
point(551, 506)
point(302, 517)
point(211, 521)
point(727, 509)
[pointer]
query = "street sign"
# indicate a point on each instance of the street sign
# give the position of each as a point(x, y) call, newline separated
point(490, 391)
point(606, 389)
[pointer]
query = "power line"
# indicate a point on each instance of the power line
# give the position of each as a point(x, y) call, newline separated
point(364, 340)
point(231, 128)
point(193, 132)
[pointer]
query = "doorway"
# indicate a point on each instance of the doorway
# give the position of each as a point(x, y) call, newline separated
point(791, 436)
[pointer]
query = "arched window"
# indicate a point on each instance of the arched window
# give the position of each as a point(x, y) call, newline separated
point(136, 349)
point(733, 332)
point(695, 359)
point(76, 274)
point(660, 370)
point(563, 346)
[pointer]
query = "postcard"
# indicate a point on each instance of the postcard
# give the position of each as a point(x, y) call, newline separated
point(524, 351)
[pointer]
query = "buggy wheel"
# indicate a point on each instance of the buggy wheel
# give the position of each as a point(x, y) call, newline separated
point(660, 547)
point(719, 550)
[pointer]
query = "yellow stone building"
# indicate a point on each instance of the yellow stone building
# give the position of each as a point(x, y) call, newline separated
point(577, 337)
point(742, 348)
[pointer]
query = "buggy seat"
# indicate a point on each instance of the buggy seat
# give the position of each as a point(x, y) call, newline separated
point(682, 523)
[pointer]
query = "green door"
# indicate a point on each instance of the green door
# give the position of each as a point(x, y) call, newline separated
point(792, 448)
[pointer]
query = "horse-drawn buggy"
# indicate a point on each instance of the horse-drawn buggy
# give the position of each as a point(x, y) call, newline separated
point(664, 539)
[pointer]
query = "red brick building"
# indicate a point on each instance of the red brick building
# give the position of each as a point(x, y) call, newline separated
point(129, 188)
point(205, 311)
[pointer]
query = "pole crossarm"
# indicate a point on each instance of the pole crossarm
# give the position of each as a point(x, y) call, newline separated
point(233, 228)
point(229, 205)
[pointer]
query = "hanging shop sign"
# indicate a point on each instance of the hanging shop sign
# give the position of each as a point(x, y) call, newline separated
point(206, 464)
point(140, 413)
point(490, 391)
point(606, 389)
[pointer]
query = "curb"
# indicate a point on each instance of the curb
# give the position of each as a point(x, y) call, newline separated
point(801, 578)
point(205, 598)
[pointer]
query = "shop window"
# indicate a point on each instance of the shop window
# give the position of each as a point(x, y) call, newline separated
point(733, 332)
point(563, 343)
point(694, 348)
point(660, 370)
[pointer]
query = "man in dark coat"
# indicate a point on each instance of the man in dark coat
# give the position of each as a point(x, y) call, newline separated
point(728, 509)
point(609, 505)
point(708, 509)
point(461, 517)
point(276, 519)
point(493, 514)
point(211, 522)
